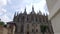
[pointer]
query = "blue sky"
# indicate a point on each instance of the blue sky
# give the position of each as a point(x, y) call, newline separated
point(9, 7)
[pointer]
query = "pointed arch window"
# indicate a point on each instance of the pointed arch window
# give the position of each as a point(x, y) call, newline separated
point(27, 18)
point(27, 25)
point(22, 18)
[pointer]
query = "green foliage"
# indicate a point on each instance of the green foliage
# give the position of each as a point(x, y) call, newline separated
point(43, 28)
point(1, 23)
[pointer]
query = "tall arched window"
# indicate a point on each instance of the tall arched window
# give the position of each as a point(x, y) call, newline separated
point(39, 19)
point(36, 19)
point(32, 18)
point(27, 25)
point(27, 18)
point(22, 28)
point(22, 18)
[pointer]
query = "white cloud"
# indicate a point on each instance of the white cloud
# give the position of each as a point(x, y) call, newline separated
point(9, 1)
point(5, 18)
point(37, 6)
point(3, 2)
point(2, 11)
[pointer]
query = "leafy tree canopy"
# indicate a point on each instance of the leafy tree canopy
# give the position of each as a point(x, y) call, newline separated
point(1, 23)
point(43, 28)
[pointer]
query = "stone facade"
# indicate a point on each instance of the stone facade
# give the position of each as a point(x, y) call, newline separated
point(31, 23)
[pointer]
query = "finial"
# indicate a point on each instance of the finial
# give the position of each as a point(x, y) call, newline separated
point(15, 14)
point(43, 14)
point(46, 14)
point(25, 11)
point(33, 12)
point(32, 8)
point(40, 13)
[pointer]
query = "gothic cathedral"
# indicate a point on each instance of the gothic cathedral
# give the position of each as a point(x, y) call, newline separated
point(32, 23)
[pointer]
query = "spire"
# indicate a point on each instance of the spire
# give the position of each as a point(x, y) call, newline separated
point(20, 13)
point(32, 9)
point(46, 14)
point(33, 12)
point(25, 11)
point(40, 13)
point(15, 14)
point(43, 14)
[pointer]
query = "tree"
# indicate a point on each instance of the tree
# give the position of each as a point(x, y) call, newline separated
point(43, 28)
point(1, 23)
